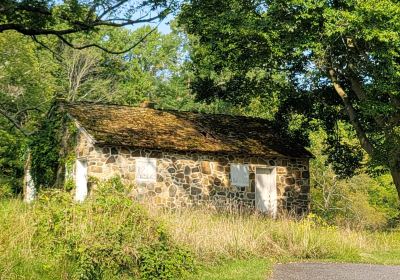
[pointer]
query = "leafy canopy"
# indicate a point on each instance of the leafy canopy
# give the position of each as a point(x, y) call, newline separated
point(328, 60)
point(63, 18)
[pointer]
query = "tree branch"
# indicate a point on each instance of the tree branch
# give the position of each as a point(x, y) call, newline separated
point(33, 9)
point(111, 8)
point(15, 123)
point(79, 25)
point(36, 31)
point(70, 44)
point(362, 136)
point(55, 54)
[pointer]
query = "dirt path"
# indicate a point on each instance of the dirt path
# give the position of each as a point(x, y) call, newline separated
point(333, 271)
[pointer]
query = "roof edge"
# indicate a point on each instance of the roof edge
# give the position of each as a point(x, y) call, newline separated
point(81, 129)
point(308, 154)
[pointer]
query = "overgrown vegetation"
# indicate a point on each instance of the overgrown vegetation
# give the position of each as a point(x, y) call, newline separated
point(360, 202)
point(111, 237)
point(107, 237)
point(215, 237)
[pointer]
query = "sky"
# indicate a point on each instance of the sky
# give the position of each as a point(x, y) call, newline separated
point(164, 26)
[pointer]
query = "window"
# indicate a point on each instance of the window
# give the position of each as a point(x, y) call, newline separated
point(146, 170)
point(239, 175)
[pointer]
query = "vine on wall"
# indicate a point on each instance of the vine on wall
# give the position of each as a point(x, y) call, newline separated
point(52, 149)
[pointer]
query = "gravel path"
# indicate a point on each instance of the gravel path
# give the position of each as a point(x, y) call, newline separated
point(334, 271)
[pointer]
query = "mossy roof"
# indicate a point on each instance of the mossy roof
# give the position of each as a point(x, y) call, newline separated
point(182, 131)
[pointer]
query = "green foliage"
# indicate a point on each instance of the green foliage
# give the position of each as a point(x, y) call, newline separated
point(160, 261)
point(25, 87)
point(45, 148)
point(107, 237)
point(11, 163)
point(345, 159)
point(358, 202)
point(343, 67)
point(6, 189)
point(382, 196)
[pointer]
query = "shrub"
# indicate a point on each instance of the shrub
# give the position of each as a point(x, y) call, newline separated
point(359, 202)
point(6, 189)
point(107, 237)
point(161, 261)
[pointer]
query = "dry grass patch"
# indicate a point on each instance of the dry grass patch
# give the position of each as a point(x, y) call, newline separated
point(215, 236)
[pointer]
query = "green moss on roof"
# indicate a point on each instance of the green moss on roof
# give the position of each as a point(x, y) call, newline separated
point(182, 131)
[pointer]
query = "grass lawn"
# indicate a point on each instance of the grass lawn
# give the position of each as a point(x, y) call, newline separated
point(390, 257)
point(261, 269)
point(252, 269)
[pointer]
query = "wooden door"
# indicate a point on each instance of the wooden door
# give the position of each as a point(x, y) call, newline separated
point(266, 194)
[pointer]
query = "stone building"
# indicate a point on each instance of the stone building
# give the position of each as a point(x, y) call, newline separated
point(178, 159)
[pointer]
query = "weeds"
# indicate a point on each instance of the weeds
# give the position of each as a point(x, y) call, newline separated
point(111, 237)
point(107, 237)
point(216, 236)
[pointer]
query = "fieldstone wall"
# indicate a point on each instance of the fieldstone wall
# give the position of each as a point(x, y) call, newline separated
point(191, 179)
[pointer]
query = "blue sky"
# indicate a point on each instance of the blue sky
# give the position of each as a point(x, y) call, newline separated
point(164, 26)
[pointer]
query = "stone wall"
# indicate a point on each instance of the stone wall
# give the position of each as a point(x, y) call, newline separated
point(190, 179)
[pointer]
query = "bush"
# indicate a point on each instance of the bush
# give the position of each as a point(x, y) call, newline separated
point(106, 237)
point(6, 189)
point(359, 202)
point(160, 261)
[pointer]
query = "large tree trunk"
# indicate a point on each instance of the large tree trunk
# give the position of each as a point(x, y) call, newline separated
point(395, 171)
point(361, 134)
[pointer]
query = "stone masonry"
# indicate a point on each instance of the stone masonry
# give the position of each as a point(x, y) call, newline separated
point(191, 179)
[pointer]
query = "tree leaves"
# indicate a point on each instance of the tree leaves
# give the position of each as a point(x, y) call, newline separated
point(342, 55)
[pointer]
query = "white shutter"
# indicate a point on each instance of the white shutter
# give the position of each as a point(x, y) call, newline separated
point(239, 175)
point(146, 170)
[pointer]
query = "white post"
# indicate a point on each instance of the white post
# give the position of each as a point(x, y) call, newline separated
point(29, 185)
point(81, 180)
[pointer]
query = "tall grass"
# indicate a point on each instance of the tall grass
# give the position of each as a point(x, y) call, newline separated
point(216, 236)
point(107, 237)
point(16, 232)
point(33, 245)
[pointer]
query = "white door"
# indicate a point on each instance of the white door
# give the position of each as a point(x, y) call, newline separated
point(266, 196)
point(81, 180)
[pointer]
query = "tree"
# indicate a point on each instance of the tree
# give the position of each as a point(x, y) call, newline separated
point(63, 18)
point(332, 60)
point(26, 89)
point(32, 78)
